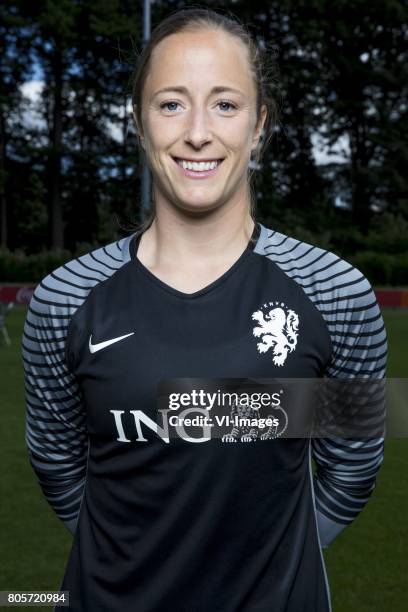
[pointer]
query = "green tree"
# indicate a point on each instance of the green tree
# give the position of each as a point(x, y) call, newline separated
point(15, 40)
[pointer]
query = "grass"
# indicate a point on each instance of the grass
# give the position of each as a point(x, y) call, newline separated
point(34, 543)
point(366, 565)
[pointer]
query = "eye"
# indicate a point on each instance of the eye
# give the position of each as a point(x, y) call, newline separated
point(225, 102)
point(228, 103)
point(167, 104)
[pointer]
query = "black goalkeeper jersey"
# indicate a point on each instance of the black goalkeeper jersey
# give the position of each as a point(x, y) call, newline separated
point(180, 523)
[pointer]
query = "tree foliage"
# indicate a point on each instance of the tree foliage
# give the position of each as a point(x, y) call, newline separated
point(69, 166)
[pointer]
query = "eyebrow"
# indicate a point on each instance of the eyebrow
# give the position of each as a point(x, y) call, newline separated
point(183, 90)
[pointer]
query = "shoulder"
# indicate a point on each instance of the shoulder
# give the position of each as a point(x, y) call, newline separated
point(62, 291)
point(343, 296)
point(329, 280)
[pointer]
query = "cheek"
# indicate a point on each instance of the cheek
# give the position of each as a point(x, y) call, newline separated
point(159, 134)
point(236, 133)
point(156, 142)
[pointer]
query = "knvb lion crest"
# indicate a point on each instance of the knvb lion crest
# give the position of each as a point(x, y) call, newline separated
point(278, 328)
point(243, 414)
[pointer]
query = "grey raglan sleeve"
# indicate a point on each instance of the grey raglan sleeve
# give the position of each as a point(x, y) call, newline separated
point(55, 426)
point(346, 468)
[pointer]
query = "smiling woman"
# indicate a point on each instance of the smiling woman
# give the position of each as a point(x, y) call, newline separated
point(201, 297)
point(203, 91)
point(203, 94)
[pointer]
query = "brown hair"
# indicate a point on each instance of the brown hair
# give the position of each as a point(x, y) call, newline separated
point(262, 63)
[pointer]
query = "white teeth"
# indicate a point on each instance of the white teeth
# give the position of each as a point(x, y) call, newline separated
point(198, 167)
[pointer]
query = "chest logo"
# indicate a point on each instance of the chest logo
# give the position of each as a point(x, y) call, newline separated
point(94, 348)
point(278, 328)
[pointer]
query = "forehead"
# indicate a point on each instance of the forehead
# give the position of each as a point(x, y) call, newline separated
point(198, 58)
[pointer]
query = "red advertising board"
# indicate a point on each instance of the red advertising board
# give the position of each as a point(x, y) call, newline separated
point(392, 298)
point(19, 294)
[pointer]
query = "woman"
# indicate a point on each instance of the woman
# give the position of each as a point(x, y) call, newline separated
point(202, 292)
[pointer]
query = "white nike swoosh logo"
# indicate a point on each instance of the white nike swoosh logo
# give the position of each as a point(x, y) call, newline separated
point(94, 348)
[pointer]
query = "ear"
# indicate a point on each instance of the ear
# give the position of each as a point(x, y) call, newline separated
point(259, 127)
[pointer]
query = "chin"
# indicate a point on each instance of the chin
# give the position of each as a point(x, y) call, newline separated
point(197, 207)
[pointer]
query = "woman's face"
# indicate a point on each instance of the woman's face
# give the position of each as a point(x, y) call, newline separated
point(194, 121)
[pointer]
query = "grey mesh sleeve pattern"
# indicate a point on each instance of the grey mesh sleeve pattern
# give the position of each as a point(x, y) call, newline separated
point(55, 434)
point(55, 422)
point(347, 467)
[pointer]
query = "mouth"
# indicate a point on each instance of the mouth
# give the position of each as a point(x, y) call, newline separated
point(198, 172)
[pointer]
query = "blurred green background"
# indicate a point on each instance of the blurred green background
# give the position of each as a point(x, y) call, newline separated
point(367, 564)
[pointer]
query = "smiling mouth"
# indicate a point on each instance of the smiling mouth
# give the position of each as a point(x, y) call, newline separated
point(199, 172)
point(180, 159)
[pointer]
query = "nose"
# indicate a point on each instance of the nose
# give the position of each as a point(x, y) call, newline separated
point(198, 132)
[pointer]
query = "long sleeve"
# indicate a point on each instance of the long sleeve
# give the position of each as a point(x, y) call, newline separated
point(346, 468)
point(56, 424)
point(55, 431)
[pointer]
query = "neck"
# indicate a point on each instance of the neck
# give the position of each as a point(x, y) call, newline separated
point(192, 239)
